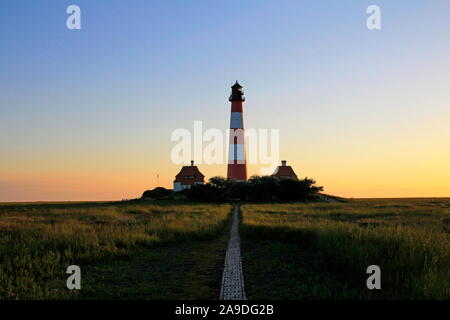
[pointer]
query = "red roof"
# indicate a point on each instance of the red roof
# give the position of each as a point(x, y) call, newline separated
point(189, 175)
point(285, 172)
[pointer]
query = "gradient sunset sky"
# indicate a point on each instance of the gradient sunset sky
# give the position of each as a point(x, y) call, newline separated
point(88, 114)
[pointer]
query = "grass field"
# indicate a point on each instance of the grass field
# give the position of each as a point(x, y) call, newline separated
point(322, 250)
point(176, 249)
point(157, 250)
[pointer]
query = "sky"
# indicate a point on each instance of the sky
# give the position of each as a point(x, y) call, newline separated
point(88, 114)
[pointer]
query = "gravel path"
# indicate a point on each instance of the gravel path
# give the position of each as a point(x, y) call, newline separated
point(233, 278)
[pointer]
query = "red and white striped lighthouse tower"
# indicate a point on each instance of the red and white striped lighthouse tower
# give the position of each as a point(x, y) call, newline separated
point(237, 166)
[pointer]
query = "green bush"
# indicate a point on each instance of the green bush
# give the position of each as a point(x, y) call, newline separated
point(257, 188)
point(158, 193)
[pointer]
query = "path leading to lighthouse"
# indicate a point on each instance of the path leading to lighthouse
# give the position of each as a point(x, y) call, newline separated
point(233, 277)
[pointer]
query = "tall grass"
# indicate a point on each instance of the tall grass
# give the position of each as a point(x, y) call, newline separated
point(38, 242)
point(408, 239)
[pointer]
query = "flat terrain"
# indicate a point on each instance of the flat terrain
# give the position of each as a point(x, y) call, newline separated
point(146, 250)
point(322, 250)
point(176, 249)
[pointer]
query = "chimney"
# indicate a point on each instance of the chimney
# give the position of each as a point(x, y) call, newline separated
point(283, 163)
point(192, 163)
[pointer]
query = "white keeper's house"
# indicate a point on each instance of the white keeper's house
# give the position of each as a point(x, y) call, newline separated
point(188, 176)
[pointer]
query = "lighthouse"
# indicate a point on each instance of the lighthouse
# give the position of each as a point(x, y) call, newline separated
point(237, 166)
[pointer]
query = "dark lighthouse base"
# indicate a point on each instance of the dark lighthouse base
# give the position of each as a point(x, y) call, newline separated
point(237, 172)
